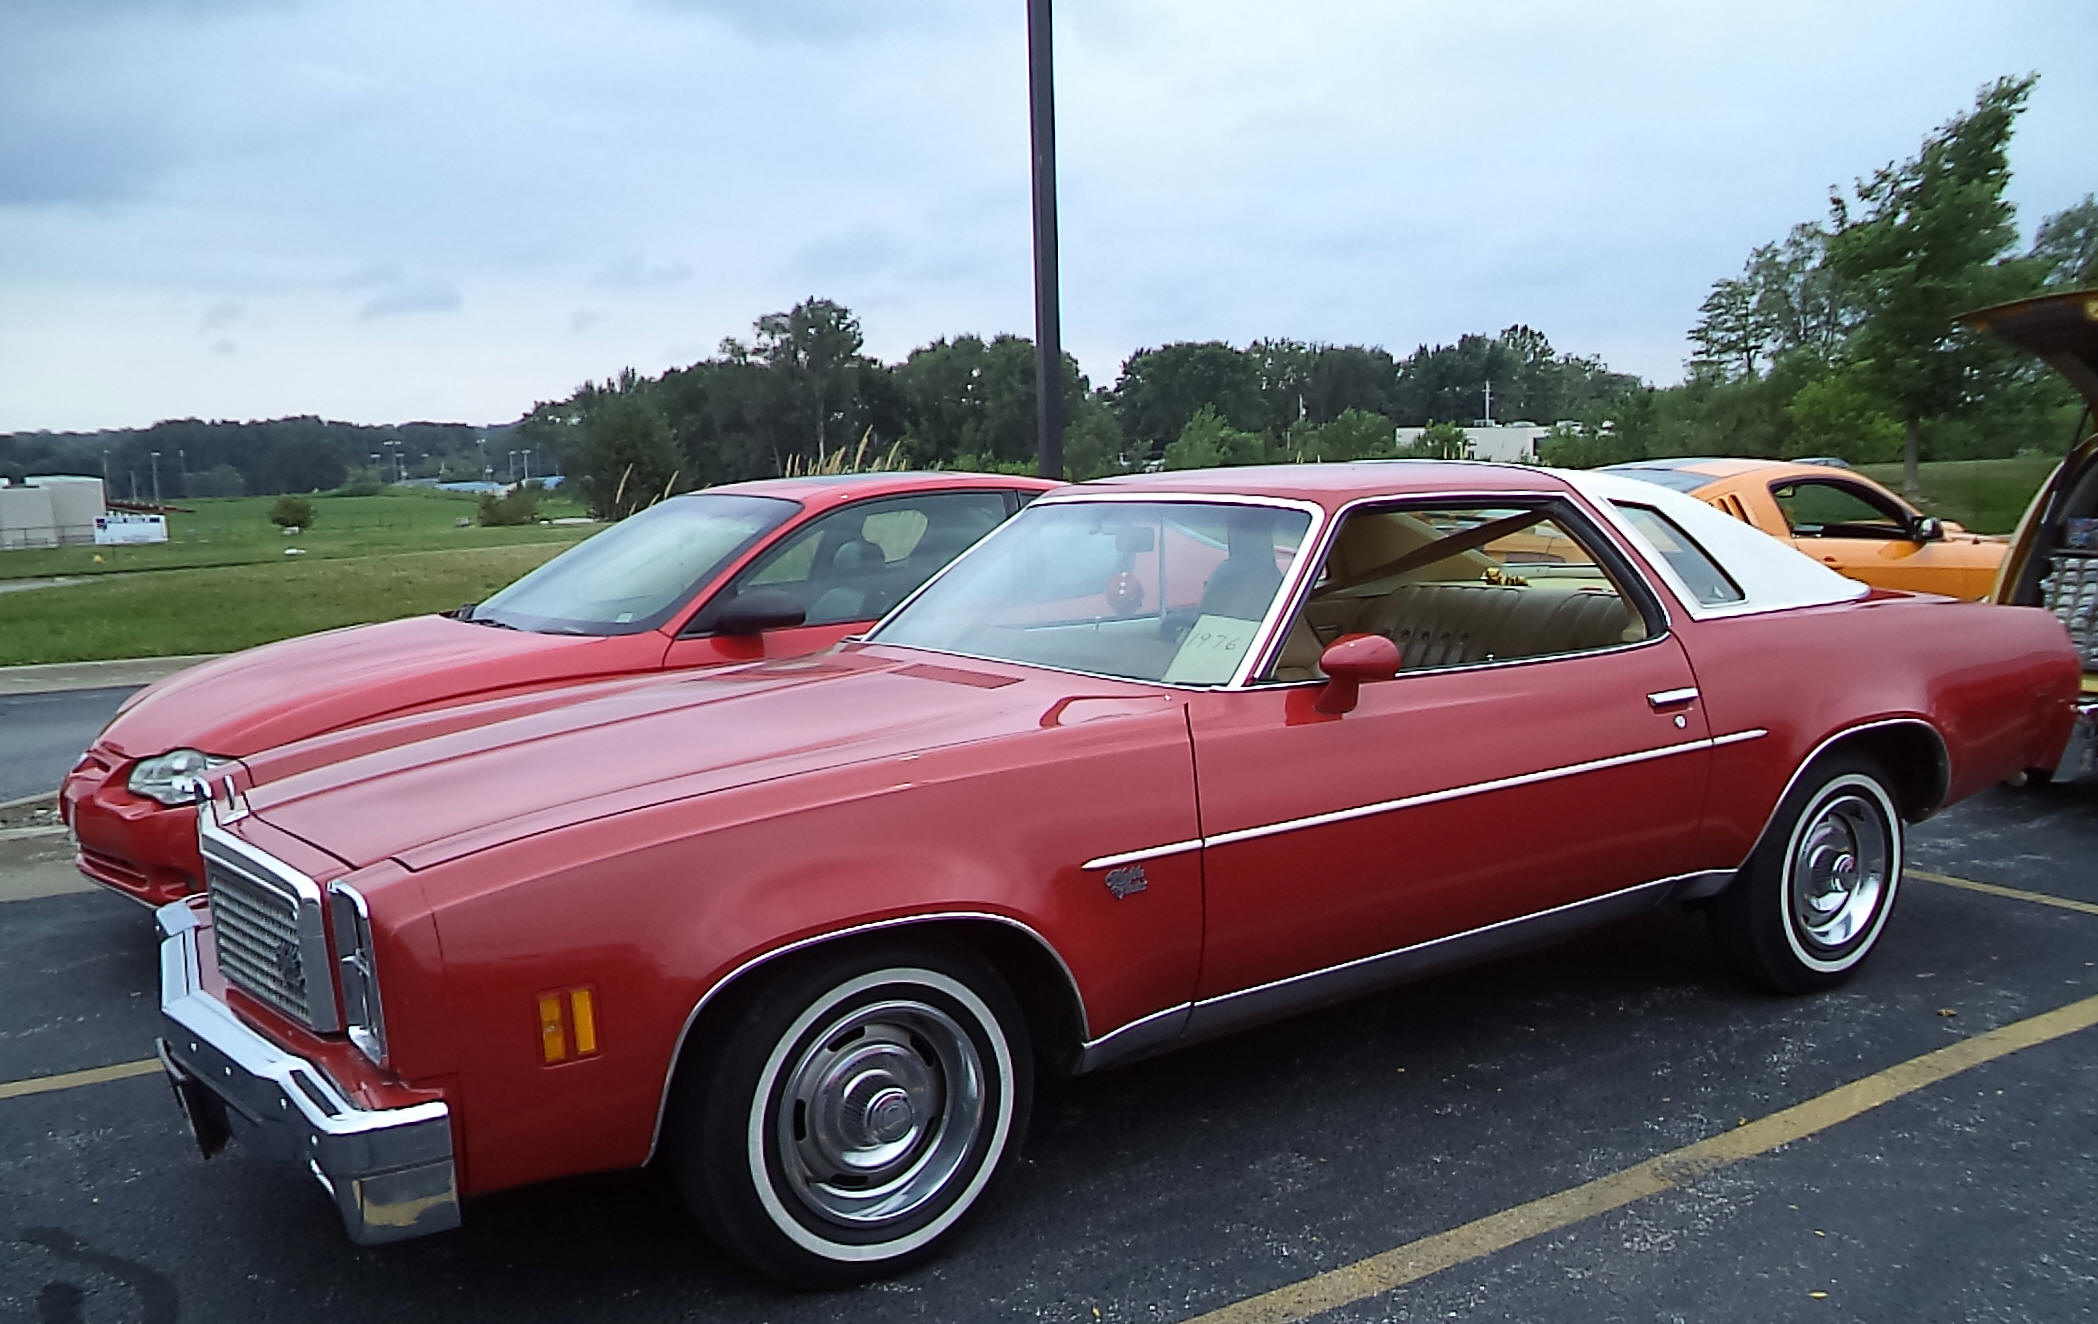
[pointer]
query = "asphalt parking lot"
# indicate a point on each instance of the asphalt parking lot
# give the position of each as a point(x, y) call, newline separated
point(1615, 1129)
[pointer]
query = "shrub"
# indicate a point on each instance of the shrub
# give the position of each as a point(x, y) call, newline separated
point(292, 512)
point(519, 506)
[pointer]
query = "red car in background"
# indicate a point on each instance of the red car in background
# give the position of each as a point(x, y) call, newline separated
point(775, 568)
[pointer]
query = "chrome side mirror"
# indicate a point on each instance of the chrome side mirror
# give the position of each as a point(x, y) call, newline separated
point(1927, 528)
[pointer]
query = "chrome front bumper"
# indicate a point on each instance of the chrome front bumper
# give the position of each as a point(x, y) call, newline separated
point(389, 1171)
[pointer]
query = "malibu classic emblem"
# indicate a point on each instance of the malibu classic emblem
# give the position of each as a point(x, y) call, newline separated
point(1127, 881)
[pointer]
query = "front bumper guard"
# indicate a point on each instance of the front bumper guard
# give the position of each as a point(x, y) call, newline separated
point(390, 1171)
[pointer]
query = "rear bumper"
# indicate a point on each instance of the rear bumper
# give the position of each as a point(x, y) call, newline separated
point(390, 1171)
point(2080, 756)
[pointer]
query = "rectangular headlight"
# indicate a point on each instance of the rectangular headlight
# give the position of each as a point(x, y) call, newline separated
point(355, 972)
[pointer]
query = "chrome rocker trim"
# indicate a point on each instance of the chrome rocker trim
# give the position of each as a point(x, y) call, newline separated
point(390, 1171)
point(1189, 1022)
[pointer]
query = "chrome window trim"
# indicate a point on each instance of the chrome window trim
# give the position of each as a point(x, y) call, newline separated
point(1263, 638)
point(684, 1036)
point(324, 1002)
point(1424, 798)
point(1266, 657)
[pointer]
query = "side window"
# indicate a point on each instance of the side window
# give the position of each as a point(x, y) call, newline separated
point(1462, 586)
point(1819, 509)
point(1709, 584)
point(856, 563)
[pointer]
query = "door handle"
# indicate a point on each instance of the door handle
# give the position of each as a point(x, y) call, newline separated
point(1661, 699)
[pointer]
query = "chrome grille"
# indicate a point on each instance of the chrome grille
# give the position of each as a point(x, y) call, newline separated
point(259, 934)
point(2070, 591)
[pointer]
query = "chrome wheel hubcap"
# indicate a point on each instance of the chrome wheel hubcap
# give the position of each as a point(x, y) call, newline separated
point(879, 1112)
point(1840, 871)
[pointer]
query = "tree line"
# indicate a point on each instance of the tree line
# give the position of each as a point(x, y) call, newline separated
point(1842, 337)
point(802, 392)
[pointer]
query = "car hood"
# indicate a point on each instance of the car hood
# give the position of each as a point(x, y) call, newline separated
point(626, 748)
point(287, 691)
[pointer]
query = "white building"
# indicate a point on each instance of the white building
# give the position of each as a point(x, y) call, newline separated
point(1509, 442)
point(50, 510)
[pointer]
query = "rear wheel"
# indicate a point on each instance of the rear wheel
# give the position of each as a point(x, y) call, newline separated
point(854, 1112)
point(1812, 901)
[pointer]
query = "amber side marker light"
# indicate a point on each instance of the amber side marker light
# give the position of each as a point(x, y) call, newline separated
point(568, 1024)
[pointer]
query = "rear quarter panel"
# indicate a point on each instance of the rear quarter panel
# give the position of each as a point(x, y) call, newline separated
point(1995, 683)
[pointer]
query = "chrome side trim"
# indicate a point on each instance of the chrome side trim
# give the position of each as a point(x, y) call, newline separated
point(1140, 1038)
point(684, 1036)
point(1187, 1022)
point(1148, 853)
point(1475, 788)
point(1426, 798)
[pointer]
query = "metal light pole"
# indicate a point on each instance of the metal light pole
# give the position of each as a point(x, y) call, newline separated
point(156, 480)
point(528, 463)
point(1048, 330)
point(182, 457)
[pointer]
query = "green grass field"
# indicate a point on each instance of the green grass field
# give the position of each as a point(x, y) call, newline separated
point(1987, 496)
point(225, 608)
point(237, 531)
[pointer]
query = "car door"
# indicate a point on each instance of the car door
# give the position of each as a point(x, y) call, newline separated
point(1544, 746)
point(1863, 533)
point(845, 570)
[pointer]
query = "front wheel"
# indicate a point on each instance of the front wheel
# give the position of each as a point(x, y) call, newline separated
point(1812, 901)
point(854, 1112)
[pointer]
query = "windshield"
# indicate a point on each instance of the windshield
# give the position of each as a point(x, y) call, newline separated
point(1168, 591)
point(636, 574)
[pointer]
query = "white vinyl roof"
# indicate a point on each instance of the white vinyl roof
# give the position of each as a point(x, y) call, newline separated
point(1772, 575)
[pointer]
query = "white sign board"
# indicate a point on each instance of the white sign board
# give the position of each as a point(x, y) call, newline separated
point(119, 527)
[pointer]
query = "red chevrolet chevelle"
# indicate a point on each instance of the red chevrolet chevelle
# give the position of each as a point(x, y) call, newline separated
point(1159, 758)
point(779, 568)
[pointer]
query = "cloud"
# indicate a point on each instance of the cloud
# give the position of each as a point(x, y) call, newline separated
point(219, 316)
point(430, 296)
point(829, 21)
point(371, 276)
point(630, 272)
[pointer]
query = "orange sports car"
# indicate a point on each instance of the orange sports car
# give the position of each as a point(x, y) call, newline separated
point(1841, 518)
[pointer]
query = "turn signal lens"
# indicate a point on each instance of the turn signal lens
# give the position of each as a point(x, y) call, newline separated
point(568, 1024)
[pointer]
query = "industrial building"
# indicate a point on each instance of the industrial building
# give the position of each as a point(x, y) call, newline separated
point(50, 510)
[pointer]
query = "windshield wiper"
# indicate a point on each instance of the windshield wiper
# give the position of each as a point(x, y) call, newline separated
point(489, 621)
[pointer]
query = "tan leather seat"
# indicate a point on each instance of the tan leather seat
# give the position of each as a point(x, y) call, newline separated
point(1448, 625)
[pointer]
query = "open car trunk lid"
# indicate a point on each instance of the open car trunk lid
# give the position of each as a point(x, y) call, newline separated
point(2054, 555)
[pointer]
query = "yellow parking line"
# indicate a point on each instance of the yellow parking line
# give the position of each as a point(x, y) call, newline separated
point(1992, 889)
point(15, 1089)
point(1395, 1268)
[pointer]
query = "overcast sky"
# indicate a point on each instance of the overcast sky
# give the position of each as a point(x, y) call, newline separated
point(383, 210)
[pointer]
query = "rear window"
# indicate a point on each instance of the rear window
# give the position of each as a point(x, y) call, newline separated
point(1679, 480)
point(1710, 585)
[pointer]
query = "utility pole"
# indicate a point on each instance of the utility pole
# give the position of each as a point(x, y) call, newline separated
point(156, 480)
point(182, 458)
point(528, 464)
point(1048, 329)
point(1489, 402)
